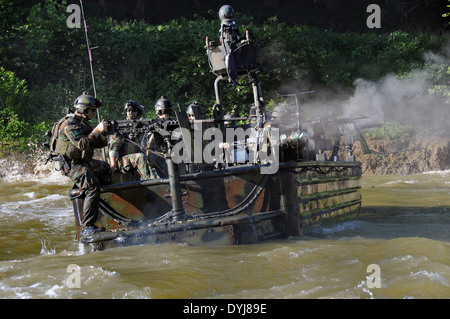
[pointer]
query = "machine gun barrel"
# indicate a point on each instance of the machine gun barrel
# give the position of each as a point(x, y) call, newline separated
point(345, 120)
point(128, 125)
point(219, 120)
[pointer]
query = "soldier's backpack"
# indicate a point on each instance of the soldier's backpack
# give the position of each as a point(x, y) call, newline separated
point(54, 154)
point(53, 146)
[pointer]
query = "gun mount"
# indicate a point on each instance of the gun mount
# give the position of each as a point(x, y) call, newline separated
point(235, 56)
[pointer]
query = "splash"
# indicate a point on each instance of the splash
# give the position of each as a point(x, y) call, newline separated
point(443, 173)
point(21, 168)
point(46, 248)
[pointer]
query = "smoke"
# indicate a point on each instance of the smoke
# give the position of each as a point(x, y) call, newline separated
point(411, 100)
point(407, 100)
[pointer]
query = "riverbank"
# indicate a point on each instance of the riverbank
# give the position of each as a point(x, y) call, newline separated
point(402, 156)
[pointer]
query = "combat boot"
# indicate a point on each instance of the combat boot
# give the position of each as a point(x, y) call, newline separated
point(90, 230)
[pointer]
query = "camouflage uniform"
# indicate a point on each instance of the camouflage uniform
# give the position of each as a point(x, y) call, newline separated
point(77, 144)
point(156, 148)
point(133, 158)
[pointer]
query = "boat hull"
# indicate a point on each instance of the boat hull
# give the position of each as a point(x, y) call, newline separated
point(238, 205)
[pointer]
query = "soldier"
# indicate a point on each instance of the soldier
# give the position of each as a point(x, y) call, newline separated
point(164, 108)
point(227, 118)
point(125, 155)
point(156, 146)
point(76, 142)
point(252, 116)
point(190, 112)
point(225, 155)
point(193, 109)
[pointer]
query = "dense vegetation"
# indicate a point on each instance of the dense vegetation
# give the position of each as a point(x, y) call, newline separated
point(44, 64)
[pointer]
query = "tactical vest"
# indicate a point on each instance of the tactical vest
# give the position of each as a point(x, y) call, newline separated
point(129, 148)
point(65, 147)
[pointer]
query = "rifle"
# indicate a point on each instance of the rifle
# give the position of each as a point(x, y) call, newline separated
point(133, 128)
point(345, 120)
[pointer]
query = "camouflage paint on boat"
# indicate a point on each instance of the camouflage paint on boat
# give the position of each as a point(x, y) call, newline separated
point(233, 206)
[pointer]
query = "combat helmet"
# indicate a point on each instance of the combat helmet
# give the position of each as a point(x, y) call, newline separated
point(134, 106)
point(196, 110)
point(163, 105)
point(226, 117)
point(86, 101)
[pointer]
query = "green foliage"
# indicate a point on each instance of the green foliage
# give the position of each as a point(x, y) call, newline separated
point(391, 131)
point(441, 79)
point(16, 134)
point(142, 61)
point(12, 94)
point(11, 126)
point(447, 14)
point(336, 60)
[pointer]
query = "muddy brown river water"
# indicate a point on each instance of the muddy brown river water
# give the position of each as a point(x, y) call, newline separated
point(399, 247)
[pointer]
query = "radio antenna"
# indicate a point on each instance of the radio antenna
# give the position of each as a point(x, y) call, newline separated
point(90, 64)
point(90, 56)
